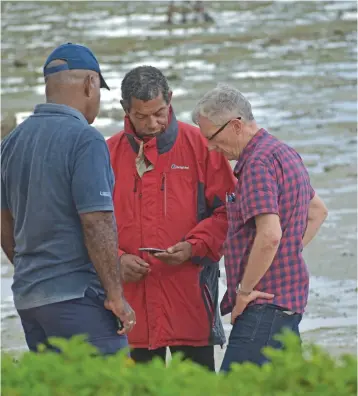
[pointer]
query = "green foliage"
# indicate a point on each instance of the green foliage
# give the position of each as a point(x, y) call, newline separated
point(78, 371)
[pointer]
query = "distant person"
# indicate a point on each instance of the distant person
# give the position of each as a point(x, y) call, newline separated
point(169, 194)
point(273, 214)
point(57, 222)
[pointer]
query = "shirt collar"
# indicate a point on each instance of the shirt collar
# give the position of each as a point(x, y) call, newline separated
point(54, 108)
point(249, 149)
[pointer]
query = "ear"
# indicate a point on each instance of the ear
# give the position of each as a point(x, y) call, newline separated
point(124, 107)
point(89, 85)
point(238, 126)
point(170, 94)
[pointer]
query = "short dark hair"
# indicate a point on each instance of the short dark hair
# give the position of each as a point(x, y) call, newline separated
point(144, 83)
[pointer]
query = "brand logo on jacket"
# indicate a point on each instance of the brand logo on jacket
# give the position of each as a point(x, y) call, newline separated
point(174, 166)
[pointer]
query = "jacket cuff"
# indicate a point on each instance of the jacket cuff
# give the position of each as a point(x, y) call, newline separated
point(198, 247)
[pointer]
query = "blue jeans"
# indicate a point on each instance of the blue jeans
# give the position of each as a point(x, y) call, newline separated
point(85, 315)
point(255, 329)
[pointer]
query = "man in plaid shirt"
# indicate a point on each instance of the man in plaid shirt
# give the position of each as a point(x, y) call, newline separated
point(273, 214)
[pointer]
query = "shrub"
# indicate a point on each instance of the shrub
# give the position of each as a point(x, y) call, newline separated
point(78, 372)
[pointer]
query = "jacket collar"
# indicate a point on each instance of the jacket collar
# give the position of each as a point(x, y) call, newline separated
point(163, 142)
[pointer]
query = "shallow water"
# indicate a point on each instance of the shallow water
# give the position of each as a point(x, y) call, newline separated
point(296, 63)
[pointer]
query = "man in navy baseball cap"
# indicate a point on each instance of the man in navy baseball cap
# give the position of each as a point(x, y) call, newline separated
point(77, 57)
point(57, 212)
point(73, 78)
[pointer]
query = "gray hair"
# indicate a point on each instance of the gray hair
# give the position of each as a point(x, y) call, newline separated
point(144, 83)
point(222, 104)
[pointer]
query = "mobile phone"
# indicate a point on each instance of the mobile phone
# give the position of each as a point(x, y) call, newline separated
point(152, 250)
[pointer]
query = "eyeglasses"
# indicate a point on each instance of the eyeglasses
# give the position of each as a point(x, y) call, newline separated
point(222, 128)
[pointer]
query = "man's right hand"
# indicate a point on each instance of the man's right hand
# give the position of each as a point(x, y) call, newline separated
point(133, 268)
point(122, 310)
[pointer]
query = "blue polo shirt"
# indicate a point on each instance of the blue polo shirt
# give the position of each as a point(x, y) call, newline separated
point(54, 166)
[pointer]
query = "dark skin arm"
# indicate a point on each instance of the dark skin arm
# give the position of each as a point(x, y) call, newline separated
point(7, 234)
point(100, 236)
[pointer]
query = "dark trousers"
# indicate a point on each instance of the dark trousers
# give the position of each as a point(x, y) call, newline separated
point(254, 329)
point(85, 315)
point(203, 355)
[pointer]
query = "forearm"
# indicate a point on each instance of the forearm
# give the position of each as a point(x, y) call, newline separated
point(100, 236)
point(313, 226)
point(7, 234)
point(208, 236)
point(317, 214)
point(260, 260)
point(8, 247)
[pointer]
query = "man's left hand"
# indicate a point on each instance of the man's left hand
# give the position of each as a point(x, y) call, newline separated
point(242, 301)
point(176, 255)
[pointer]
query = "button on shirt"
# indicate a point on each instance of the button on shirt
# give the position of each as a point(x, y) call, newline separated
point(54, 166)
point(271, 178)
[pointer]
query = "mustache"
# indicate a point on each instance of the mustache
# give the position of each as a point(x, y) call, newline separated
point(153, 134)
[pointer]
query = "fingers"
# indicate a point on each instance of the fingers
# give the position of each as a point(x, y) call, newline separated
point(234, 314)
point(257, 294)
point(128, 323)
point(127, 327)
point(141, 262)
point(268, 296)
point(170, 260)
point(139, 270)
point(139, 266)
point(162, 256)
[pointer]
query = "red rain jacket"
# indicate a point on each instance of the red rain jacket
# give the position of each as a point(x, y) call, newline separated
point(182, 198)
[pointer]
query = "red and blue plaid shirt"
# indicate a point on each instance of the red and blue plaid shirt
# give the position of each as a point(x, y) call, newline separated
point(271, 179)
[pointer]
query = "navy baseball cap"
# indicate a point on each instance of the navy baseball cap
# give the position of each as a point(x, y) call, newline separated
point(76, 57)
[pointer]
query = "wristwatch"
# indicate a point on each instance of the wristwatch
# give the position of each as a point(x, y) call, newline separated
point(242, 292)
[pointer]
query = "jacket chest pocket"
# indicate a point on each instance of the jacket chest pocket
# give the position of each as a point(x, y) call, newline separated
point(177, 193)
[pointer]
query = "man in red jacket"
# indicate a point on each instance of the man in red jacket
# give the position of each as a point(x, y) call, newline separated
point(170, 194)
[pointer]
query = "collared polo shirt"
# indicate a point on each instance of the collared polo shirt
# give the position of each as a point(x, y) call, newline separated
point(271, 178)
point(54, 166)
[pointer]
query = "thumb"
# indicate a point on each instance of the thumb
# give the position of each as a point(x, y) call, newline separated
point(175, 248)
point(234, 315)
point(267, 296)
point(257, 294)
point(140, 261)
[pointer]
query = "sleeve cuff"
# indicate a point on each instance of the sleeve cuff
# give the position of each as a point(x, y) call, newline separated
point(198, 248)
point(257, 212)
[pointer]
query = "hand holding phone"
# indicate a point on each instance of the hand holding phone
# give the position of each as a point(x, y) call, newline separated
point(177, 254)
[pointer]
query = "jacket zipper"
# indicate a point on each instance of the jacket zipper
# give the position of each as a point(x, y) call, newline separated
point(164, 189)
point(135, 189)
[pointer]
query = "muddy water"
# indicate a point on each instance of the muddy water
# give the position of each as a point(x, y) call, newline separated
point(296, 62)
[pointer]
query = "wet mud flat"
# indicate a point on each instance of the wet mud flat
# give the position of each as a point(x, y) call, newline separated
point(296, 62)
